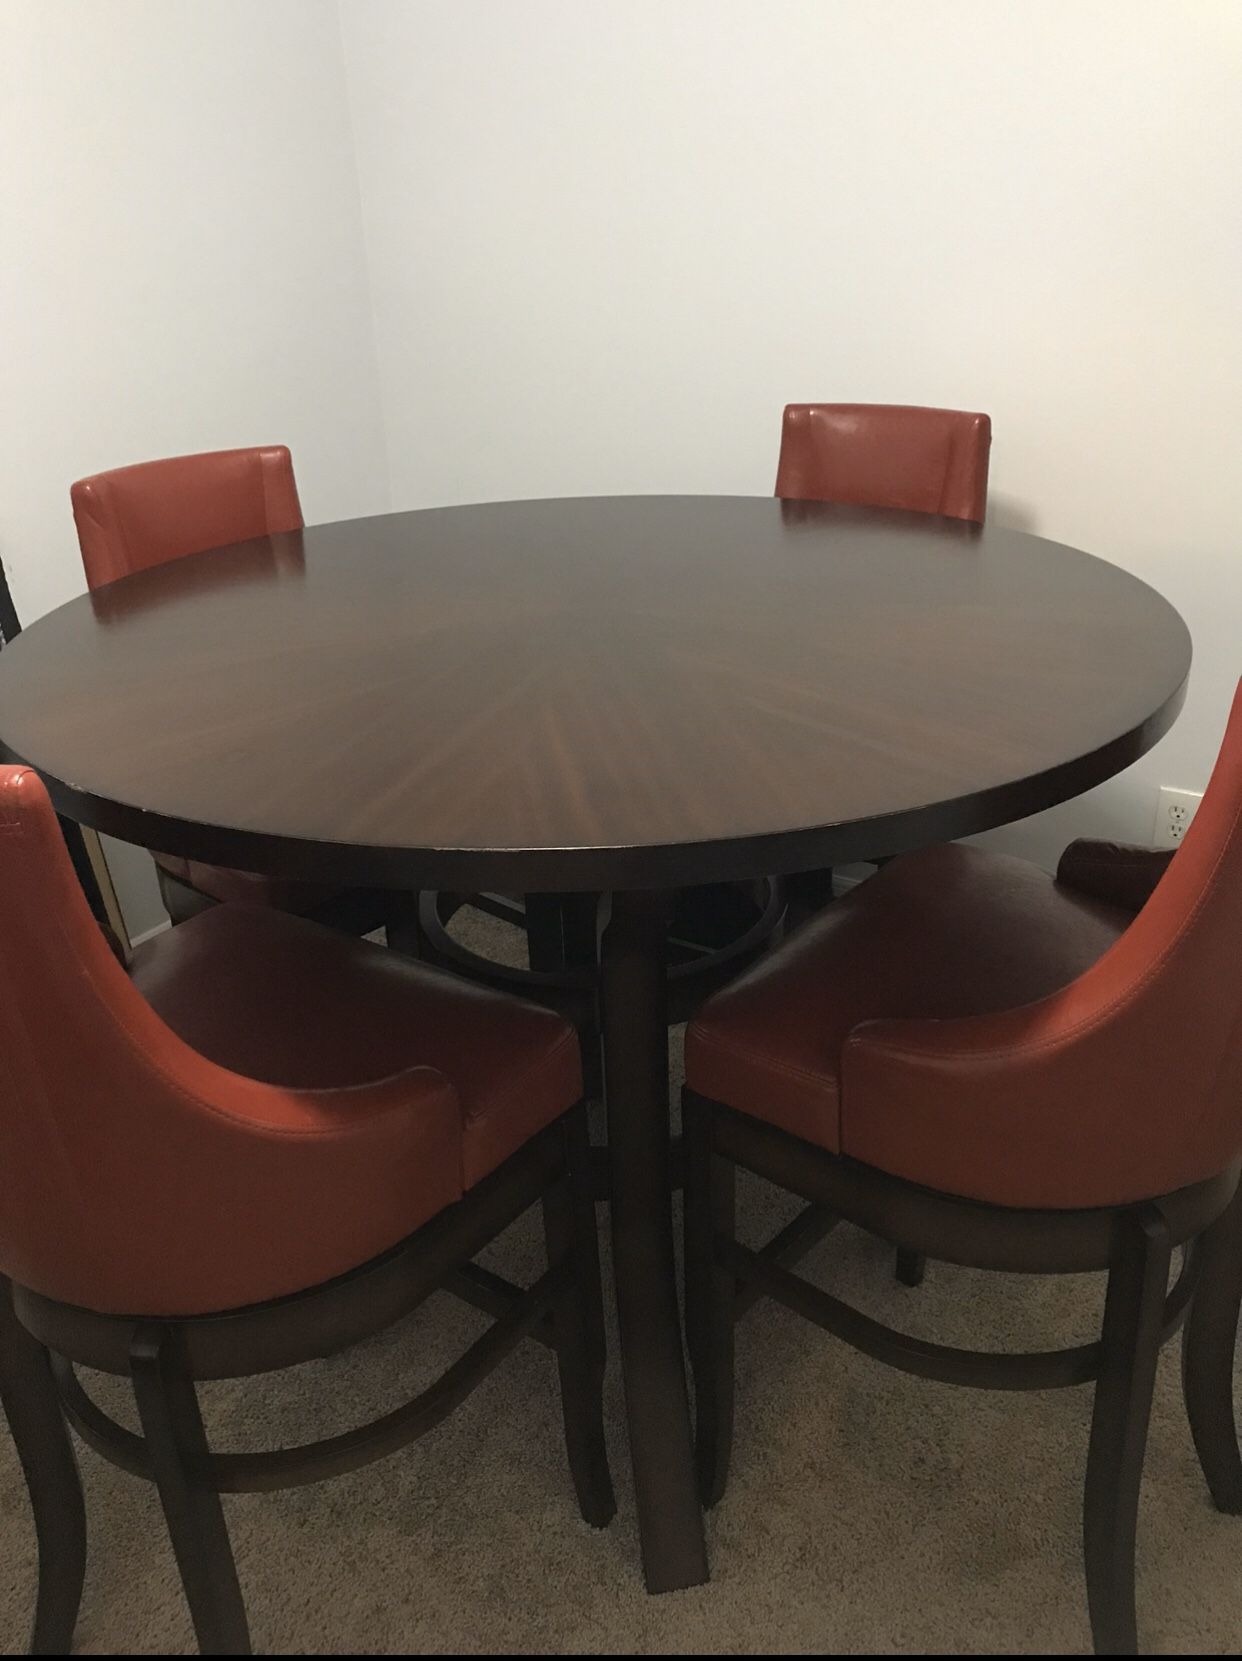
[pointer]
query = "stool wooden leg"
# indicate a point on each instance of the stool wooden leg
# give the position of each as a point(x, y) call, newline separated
point(709, 1211)
point(1130, 1345)
point(545, 938)
point(808, 892)
point(911, 1266)
point(570, 1229)
point(402, 929)
point(32, 1407)
point(1208, 1344)
point(177, 1446)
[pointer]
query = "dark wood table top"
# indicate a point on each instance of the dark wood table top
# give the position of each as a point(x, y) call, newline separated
point(592, 692)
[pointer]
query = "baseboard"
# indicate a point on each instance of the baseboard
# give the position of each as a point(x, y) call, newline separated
point(150, 934)
point(849, 876)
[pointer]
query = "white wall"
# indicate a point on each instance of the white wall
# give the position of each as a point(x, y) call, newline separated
point(609, 241)
point(181, 269)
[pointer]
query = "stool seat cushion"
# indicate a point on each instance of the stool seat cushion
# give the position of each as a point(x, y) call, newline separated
point(943, 934)
point(284, 1001)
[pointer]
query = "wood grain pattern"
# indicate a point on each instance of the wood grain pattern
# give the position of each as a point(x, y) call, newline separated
point(592, 692)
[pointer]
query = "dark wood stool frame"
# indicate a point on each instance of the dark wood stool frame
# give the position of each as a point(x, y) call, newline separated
point(41, 1341)
point(1133, 1243)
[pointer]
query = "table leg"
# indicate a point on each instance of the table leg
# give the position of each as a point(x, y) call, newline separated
point(632, 998)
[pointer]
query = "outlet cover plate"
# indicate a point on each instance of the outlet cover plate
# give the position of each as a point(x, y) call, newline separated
point(1174, 811)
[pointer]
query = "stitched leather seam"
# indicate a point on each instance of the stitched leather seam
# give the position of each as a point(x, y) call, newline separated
point(757, 1057)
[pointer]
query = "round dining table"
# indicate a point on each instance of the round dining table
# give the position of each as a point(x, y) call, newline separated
point(621, 695)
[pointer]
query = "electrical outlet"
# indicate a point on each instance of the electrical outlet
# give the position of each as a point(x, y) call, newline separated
point(1174, 811)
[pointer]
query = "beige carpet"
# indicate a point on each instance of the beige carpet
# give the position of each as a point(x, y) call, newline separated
point(867, 1513)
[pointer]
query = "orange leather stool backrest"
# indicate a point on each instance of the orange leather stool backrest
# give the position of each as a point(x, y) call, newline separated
point(135, 517)
point(1128, 1082)
point(887, 456)
point(138, 1177)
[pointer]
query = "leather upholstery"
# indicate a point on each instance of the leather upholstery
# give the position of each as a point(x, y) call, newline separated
point(140, 1176)
point(316, 1011)
point(967, 1023)
point(887, 455)
point(942, 933)
point(135, 517)
point(1117, 872)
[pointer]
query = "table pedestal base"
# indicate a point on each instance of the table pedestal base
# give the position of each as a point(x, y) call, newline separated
point(635, 1046)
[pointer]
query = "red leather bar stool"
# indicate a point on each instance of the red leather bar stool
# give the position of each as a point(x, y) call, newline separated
point(887, 456)
point(977, 1061)
point(132, 518)
point(270, 1143)
point(881, 456)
